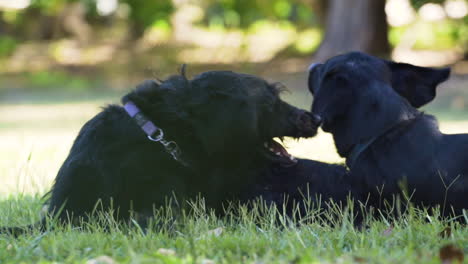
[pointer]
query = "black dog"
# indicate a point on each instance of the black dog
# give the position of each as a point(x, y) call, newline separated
point(369, 106)
point(210, 136)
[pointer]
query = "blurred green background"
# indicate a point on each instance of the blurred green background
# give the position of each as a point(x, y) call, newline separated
point(60, 60)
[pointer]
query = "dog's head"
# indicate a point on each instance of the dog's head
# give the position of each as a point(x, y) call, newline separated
point(223, 115)
point(358, 96)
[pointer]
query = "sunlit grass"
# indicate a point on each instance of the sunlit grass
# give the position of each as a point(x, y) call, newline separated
point(34, 140)
point(256, 235)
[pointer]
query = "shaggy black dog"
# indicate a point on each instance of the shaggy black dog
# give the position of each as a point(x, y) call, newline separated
point(369, 106)
point(210, 136)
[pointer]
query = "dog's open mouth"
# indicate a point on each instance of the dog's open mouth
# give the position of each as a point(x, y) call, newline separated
point(277, 152)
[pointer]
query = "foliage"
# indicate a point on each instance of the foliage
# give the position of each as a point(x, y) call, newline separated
point(418, 3)
point(151, 22)
point(144, 13)
point(438, 35)
point(243, 13)
point(7, 45)
point(443, 35)
point(308, 40)
point(49, 7)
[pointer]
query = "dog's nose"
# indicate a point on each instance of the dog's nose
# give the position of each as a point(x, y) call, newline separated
point(316, 119)
point(309, 118)
point(306, 124)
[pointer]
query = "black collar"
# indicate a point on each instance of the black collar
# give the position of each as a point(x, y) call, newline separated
point(359, 148)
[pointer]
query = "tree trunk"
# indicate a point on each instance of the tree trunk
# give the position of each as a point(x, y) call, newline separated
point(320, 8)
point(354, 25)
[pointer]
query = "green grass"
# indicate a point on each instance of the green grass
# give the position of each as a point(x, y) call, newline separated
point(242, 237)
point(35, 137)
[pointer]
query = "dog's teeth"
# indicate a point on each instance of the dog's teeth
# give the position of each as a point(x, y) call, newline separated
point(271, 149)
point(277, 153)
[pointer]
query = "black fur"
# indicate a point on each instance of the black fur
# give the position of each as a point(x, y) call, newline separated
point(220, 121)
point(309, 185)
point(366, 100)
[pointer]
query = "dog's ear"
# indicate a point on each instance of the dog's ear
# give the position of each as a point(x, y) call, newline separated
point(416, 84)
point(144, 91)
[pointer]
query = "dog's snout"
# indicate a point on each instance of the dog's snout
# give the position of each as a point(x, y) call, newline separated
point(306, 123)
point(307, 117)
point(303, 117)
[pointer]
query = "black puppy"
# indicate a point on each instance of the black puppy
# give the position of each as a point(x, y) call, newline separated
point(210, 136)
point(369, 106)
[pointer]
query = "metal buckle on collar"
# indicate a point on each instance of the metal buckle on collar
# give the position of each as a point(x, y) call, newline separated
point(170, 146)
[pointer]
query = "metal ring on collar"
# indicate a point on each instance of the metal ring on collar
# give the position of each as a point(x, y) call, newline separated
point(159, 136)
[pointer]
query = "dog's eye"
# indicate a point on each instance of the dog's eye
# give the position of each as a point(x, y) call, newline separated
point(337, 77)
point(330, 74)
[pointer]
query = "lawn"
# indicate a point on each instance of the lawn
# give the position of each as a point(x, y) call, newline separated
point(36, 134)
point(246, 238)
